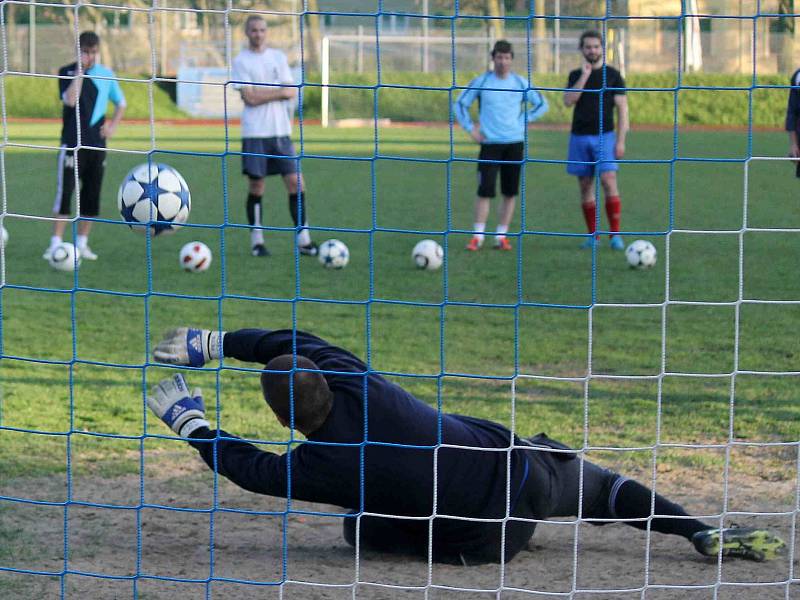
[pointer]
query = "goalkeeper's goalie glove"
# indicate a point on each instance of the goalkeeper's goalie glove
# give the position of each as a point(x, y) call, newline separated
point(171, 401)
point(189, 347)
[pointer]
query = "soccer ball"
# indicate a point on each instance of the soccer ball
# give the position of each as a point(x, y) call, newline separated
point(641, 254)
point(154, 196)
point(65, 257)
point(427, 254)
point(195, 257)
point(333, 254)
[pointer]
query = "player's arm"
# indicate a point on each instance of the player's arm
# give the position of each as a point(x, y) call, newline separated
point(71, 90)
point(572, 95)
point(792, 116)
point(623, 121)
point(243, 463)
point(256, 95)
point(537, 106)
point(118, 99)
point(461, 111)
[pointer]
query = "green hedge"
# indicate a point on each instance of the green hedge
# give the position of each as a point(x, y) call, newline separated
point(37, 97)
point(715, 106)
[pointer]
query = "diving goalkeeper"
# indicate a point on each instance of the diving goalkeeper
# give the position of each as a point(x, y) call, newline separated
point(368, 439)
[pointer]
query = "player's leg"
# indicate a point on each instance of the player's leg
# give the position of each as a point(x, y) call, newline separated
point(509, 188)
point(487, 181)
point(288, 169)
point(254, 167)
point(91, 166)
point(381, 534)
point(65, 185)
point(608, 179)
point(580, 159)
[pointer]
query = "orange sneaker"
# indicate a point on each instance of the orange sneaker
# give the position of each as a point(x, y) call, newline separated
point(474, 244)
point(502, 244)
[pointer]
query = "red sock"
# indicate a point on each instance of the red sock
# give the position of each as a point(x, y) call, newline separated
point(589, 214)
point(613, 210)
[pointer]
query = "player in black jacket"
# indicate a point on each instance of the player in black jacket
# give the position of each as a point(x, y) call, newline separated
point(375, 449)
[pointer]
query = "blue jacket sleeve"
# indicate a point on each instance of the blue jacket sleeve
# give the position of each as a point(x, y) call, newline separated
point(243, 463)
point(793, 106)
point(538, 106)
point(462, 105)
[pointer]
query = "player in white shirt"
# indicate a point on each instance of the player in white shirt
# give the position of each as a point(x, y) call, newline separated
point(267, 149)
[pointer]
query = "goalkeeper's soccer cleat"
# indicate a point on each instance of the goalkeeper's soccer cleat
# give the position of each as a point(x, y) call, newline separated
point(260, 250)
point(86, 253)
point(616, 242)
point(502, 244)
point(474, 244)
point(741, 542)
point(310, 249)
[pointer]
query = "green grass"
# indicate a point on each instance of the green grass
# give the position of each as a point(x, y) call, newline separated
point(53, 409)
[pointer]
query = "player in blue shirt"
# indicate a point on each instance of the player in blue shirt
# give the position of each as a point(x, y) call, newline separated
point(400, 467)
point(89, 87)
point(507, 104)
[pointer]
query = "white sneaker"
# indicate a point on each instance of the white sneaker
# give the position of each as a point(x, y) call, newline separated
point(86, 253)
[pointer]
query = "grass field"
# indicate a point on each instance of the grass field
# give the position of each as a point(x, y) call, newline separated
point(75, 347)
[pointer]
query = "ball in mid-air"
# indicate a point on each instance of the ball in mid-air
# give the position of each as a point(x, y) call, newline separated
point(427, 254)
point(154, 196)
point(65, 257)
point(641, 254)
point(195, 257)
point(333, 254)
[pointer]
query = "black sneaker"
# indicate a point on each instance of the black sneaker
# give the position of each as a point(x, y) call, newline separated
point(742, 542)
point(310, 249)
point(259, 250)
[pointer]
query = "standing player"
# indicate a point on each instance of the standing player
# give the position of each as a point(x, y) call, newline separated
point(85, 90)
point(373, 447)
point(593, 143)
point(501, 133)
point(266, 131)
point(793, 119)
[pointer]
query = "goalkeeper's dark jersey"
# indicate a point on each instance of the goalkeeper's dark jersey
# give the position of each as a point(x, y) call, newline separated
point(793, 106)
point(353, 461)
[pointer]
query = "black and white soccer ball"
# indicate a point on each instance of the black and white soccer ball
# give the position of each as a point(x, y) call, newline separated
point(154, 196)
point(195, 257)
point(333, 254)
point(65, 257)
point(427, 254)
point(641, 254)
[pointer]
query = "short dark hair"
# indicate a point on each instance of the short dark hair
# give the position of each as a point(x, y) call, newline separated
point(592, 33)
point(309, 392)
point(502, 47)
point(88, 39)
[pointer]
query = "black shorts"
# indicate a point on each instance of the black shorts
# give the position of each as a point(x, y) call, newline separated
point(512, 155)
point(91, 166)
point(265, 156)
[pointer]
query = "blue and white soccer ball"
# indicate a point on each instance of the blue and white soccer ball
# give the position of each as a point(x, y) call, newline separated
point(154, 196)
point(641, 254)
point(427, 254)
point(333, 254)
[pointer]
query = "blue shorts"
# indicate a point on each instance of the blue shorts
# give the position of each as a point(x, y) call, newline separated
point(265, 156)
point(584, 154)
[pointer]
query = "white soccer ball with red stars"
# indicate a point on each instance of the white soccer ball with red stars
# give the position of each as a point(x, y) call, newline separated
point(195, 257)
point(155, 197)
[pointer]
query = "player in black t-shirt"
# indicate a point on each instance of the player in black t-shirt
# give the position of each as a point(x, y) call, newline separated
point(400, 467)
point(89, 87)
point(594, 145)
point(793, 119)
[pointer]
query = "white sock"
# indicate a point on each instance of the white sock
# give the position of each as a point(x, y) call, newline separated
point(501, 231)
point(478, 228)
point(303, 237)
point(82, 240)
point(256, 237)
point(55, 241)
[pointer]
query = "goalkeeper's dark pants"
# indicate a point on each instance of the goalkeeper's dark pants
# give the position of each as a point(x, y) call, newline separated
point(556, 477)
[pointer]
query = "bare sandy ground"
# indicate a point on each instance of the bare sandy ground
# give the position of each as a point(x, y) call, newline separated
point(565, 560)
